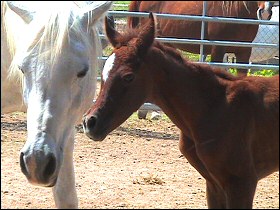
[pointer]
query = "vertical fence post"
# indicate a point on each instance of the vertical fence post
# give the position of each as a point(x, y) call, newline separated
point(201, 57)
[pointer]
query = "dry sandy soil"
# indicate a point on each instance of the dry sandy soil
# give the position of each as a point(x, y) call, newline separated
point(137, 166)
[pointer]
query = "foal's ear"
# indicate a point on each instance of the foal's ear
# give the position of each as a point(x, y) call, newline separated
point(111, 33)
point(146, 36)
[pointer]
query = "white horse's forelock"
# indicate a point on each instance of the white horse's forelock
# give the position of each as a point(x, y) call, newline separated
point(50, 24)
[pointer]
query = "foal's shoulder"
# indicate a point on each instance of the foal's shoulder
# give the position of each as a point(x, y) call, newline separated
point(263, 82)
point(251, 88)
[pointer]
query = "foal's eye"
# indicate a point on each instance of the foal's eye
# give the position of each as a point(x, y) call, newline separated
point(83, 72)
point(128, 77)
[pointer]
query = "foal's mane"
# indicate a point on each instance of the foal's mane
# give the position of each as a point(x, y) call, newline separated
point(51, 24)
point(173, 55)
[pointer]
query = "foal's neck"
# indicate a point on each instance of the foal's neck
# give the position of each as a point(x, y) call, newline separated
point(185, 91)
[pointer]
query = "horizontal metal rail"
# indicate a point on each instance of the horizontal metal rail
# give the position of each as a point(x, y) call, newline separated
point(231, 65)
point(193, 18)
point(242, 65)
point(217, 43)
point(211, 42)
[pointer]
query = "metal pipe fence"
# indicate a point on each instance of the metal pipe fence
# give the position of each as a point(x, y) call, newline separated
point(204, 18)
point(125, 14)
point(202, 32)
point(209, 42)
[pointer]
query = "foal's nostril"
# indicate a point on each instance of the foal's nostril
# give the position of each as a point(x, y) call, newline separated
point(50, 167)
point(91, 122)
point(84, 122)
point(22, 164)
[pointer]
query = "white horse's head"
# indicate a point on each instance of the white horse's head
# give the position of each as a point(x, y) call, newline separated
point(58, 55)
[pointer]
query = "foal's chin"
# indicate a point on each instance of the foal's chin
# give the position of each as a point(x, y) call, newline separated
point(94, 131)
point(95, 136)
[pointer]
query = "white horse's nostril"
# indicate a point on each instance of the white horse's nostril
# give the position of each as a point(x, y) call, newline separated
point(38, 168)
point(50, 167)
point(22, 165)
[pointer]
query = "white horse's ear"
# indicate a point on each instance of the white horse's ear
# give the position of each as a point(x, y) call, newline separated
point(94, 11)
point(21, 11)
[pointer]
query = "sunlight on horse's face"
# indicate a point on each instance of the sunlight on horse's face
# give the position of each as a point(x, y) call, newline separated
point(53, 94)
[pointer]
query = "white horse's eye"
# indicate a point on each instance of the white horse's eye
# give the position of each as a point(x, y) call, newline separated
point(82, 73)
point(19, 67)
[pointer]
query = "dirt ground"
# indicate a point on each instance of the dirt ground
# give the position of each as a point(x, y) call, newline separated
point(137, 166)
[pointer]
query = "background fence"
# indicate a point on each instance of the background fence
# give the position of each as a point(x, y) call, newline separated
point(266, 48)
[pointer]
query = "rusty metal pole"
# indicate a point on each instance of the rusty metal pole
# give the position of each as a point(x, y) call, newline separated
point(201, 57)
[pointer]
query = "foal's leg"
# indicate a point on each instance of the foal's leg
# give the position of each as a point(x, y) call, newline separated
point(233, 168)
point(240, 193)
point(215, 196)
point(64, 191)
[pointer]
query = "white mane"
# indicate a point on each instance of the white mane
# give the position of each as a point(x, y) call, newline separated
point(50, 23)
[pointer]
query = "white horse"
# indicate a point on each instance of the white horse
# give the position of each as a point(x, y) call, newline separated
point(266, 34)
point(57, 52)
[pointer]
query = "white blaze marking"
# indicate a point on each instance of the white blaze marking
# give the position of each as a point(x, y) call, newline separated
point(108, 66)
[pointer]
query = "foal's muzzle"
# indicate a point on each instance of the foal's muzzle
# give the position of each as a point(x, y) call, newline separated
point(90, 128)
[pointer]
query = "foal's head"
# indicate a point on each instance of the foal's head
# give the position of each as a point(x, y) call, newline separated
point(125, 86)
